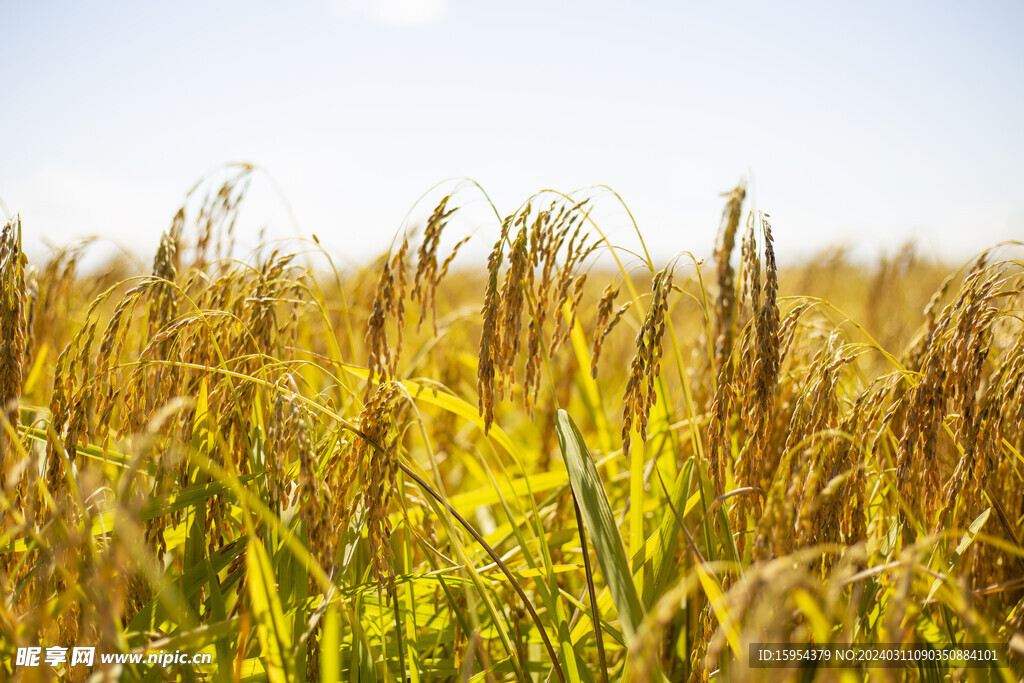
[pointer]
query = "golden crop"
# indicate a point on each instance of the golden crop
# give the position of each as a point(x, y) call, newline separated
point(324, 474)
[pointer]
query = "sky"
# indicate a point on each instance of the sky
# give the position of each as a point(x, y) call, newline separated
point(860, 124)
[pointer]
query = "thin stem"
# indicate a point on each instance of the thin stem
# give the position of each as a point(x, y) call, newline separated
point(590, 589)
point(497, 560)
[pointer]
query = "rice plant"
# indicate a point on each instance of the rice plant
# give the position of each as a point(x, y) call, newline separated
point(575, 461)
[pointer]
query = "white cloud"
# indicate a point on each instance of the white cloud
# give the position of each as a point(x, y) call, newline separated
point(403, 12)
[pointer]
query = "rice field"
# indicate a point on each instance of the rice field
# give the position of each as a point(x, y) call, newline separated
point(574, 461)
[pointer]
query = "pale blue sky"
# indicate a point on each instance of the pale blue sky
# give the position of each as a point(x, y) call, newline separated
point(866, 123)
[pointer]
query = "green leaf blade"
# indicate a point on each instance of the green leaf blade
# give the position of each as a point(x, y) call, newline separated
point(600, 523)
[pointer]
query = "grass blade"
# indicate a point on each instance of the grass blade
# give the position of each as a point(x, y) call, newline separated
point(271, 627)
point(597, 516)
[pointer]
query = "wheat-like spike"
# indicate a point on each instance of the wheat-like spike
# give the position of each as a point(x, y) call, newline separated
point(542, 254)
point(718, 429)
point(373, 454)
point(448, 261)
point(725, 301)
point(767, 334)
point(163, 307)
point(398, 265)
point(489, 361)
point(946, 348)
point(218, 215)
point(968, 351)
point(510, 312)
point(388, 300)
point(311, 496)
point(645, 367)
point(427, 277)
point(604, 323)
point(565, 323)
point(915, 355)
point(14, 321)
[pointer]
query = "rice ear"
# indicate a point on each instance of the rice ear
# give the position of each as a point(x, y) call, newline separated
point(14, 321)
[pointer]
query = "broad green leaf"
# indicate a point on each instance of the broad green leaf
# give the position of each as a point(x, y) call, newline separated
point(597, 517)
point(363, 670)
point(217, 610)
point(668, 535)
point(152, 615)
point(716, 598)
point(961, 548)
point(271, 627)
point(330, 646)
point(891, 538)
